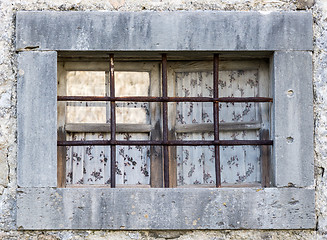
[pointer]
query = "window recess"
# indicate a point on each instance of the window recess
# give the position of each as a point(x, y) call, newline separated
point(164, 123)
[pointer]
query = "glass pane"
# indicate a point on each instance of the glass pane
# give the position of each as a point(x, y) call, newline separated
point(132, 112)
point(86, 112)
point(90, 165)
point(133, 162)
point(194, 84)
point(195, 164)
point(85, 83)
point(132, 84)
point(240, 164)
point(238, 83)
point(238, 121)
point(194, 113)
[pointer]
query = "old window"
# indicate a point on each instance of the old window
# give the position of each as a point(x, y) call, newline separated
point(285, 38)
point(242, 125)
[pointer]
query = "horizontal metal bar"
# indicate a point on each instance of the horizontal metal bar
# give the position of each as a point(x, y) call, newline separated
point(168, 143)
point(105, 127)
point(104, 104)
point(164, 99)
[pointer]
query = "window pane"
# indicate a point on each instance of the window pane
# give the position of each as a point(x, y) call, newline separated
point(238, 83)
point(194, 84)
point(132, 84)
point(240, 164)
point(133, 162)
point(90, 165)
point(132, 112)
point(86, 112)
point(238, 121)
point(195, 165)
point(86, 83)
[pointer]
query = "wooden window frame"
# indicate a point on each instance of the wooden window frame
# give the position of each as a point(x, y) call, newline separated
point(152, 127)
point(164, 170)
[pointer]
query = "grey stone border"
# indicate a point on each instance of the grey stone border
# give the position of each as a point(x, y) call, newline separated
point(37, 119)
point(101, 208)
point(291, 75)
point(164, 31)
point(293, 119)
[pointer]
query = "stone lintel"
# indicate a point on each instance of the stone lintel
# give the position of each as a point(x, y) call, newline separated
point(164, 31)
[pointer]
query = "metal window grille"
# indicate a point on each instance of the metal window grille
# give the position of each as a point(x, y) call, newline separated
point(165, 142)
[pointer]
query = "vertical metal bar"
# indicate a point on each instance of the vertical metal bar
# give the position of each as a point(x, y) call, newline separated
point(112, 122)
point(165, 120)
point(107, 94)
point(216, 117)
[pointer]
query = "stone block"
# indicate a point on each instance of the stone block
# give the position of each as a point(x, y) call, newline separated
point(37, 119)
point(164, 31)
point(293, 119)
point(159, 209)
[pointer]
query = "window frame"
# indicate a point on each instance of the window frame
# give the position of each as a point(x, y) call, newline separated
point(286, 35)
point(226, 64)
point(152, 67)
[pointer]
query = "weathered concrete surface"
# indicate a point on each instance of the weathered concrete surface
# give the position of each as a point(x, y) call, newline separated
point(293, 119)
point(271, 208)
point(164, 31)
point(37, 119)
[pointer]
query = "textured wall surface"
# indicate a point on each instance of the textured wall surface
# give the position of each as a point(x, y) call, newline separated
point(8, 117)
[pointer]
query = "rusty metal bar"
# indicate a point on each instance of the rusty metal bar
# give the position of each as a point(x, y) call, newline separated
point(216, 117)
point(165, 119)
point(168, 143)
point(164, 99)
point(112, 122)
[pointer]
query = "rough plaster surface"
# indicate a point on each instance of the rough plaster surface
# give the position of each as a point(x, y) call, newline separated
point(8, 74)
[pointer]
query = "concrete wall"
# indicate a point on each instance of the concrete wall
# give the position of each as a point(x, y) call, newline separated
point(8, 117)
